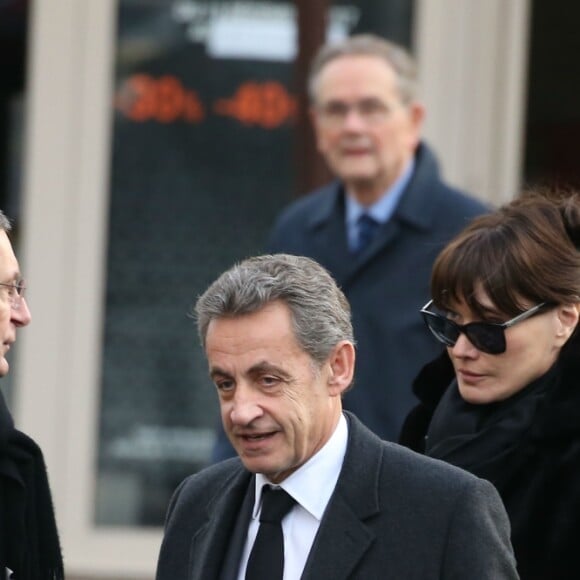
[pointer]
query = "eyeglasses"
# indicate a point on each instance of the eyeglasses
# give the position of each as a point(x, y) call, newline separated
point(371, 111)
point(487, 337)
point(15, 292)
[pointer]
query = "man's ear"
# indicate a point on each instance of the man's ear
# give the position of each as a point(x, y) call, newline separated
point(416, 117)
point(341, 364)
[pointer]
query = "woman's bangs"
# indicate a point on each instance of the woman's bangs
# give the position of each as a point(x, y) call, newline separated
point(455, 275)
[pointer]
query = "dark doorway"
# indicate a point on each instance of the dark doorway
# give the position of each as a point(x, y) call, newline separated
point(553, 102)
point(13, 43)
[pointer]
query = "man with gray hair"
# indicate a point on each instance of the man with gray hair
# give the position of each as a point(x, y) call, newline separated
point(29, 544)
point(379, 226)
point(313, 493)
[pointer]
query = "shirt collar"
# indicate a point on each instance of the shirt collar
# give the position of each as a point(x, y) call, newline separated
point(385, 206)
point(304, 484)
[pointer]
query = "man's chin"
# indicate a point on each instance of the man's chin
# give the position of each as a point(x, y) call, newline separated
point(4, 367)
point(359, 176)
point(366, 187)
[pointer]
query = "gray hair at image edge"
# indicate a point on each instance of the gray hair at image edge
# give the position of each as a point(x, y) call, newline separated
point(397, 57)
point(5, 224)
point(320, 311)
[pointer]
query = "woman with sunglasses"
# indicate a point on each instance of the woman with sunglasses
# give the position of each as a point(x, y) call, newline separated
point(503, 402)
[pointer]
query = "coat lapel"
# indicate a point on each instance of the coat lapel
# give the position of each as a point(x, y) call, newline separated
point(211, 542)
point(343, 537)
point(384, 237)
point(327, 233)
point(341, 542)
point(327, 226)
point(328, 240)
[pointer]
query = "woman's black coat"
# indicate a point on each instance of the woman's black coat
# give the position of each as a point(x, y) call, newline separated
point(539, 481)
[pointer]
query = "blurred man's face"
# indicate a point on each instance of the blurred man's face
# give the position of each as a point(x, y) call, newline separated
point(13, 310)
point(364, 130)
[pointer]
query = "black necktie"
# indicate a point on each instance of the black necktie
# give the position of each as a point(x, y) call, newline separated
point(266, 560)
point(367, 227)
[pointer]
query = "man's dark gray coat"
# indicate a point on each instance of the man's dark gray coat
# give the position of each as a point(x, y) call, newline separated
point(394, 515)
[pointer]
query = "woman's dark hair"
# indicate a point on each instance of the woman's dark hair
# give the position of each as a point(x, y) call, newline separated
point(526, 251)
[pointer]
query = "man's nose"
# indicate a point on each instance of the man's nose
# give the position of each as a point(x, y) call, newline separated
point(21, 316)
point(353, 119)
point(245, 405)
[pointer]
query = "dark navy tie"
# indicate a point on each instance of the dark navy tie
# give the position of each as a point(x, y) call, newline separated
point(367, 227)
point(266, 560)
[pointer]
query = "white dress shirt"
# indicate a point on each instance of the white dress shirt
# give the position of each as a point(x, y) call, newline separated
point(311, 486)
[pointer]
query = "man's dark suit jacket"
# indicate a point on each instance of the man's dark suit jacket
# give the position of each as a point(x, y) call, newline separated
point(394, 515)
point(386, 285)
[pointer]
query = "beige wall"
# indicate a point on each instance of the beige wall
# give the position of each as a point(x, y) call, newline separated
point(473, 61)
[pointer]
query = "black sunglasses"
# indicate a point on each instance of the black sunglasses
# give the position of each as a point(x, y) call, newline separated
point(487, 337)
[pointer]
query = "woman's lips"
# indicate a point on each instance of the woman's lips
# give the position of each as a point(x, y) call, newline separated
point(470, 376)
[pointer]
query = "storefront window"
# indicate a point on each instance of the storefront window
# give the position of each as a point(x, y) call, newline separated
point(202, 162)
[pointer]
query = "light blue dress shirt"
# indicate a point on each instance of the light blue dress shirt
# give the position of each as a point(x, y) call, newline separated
point(381, 210)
